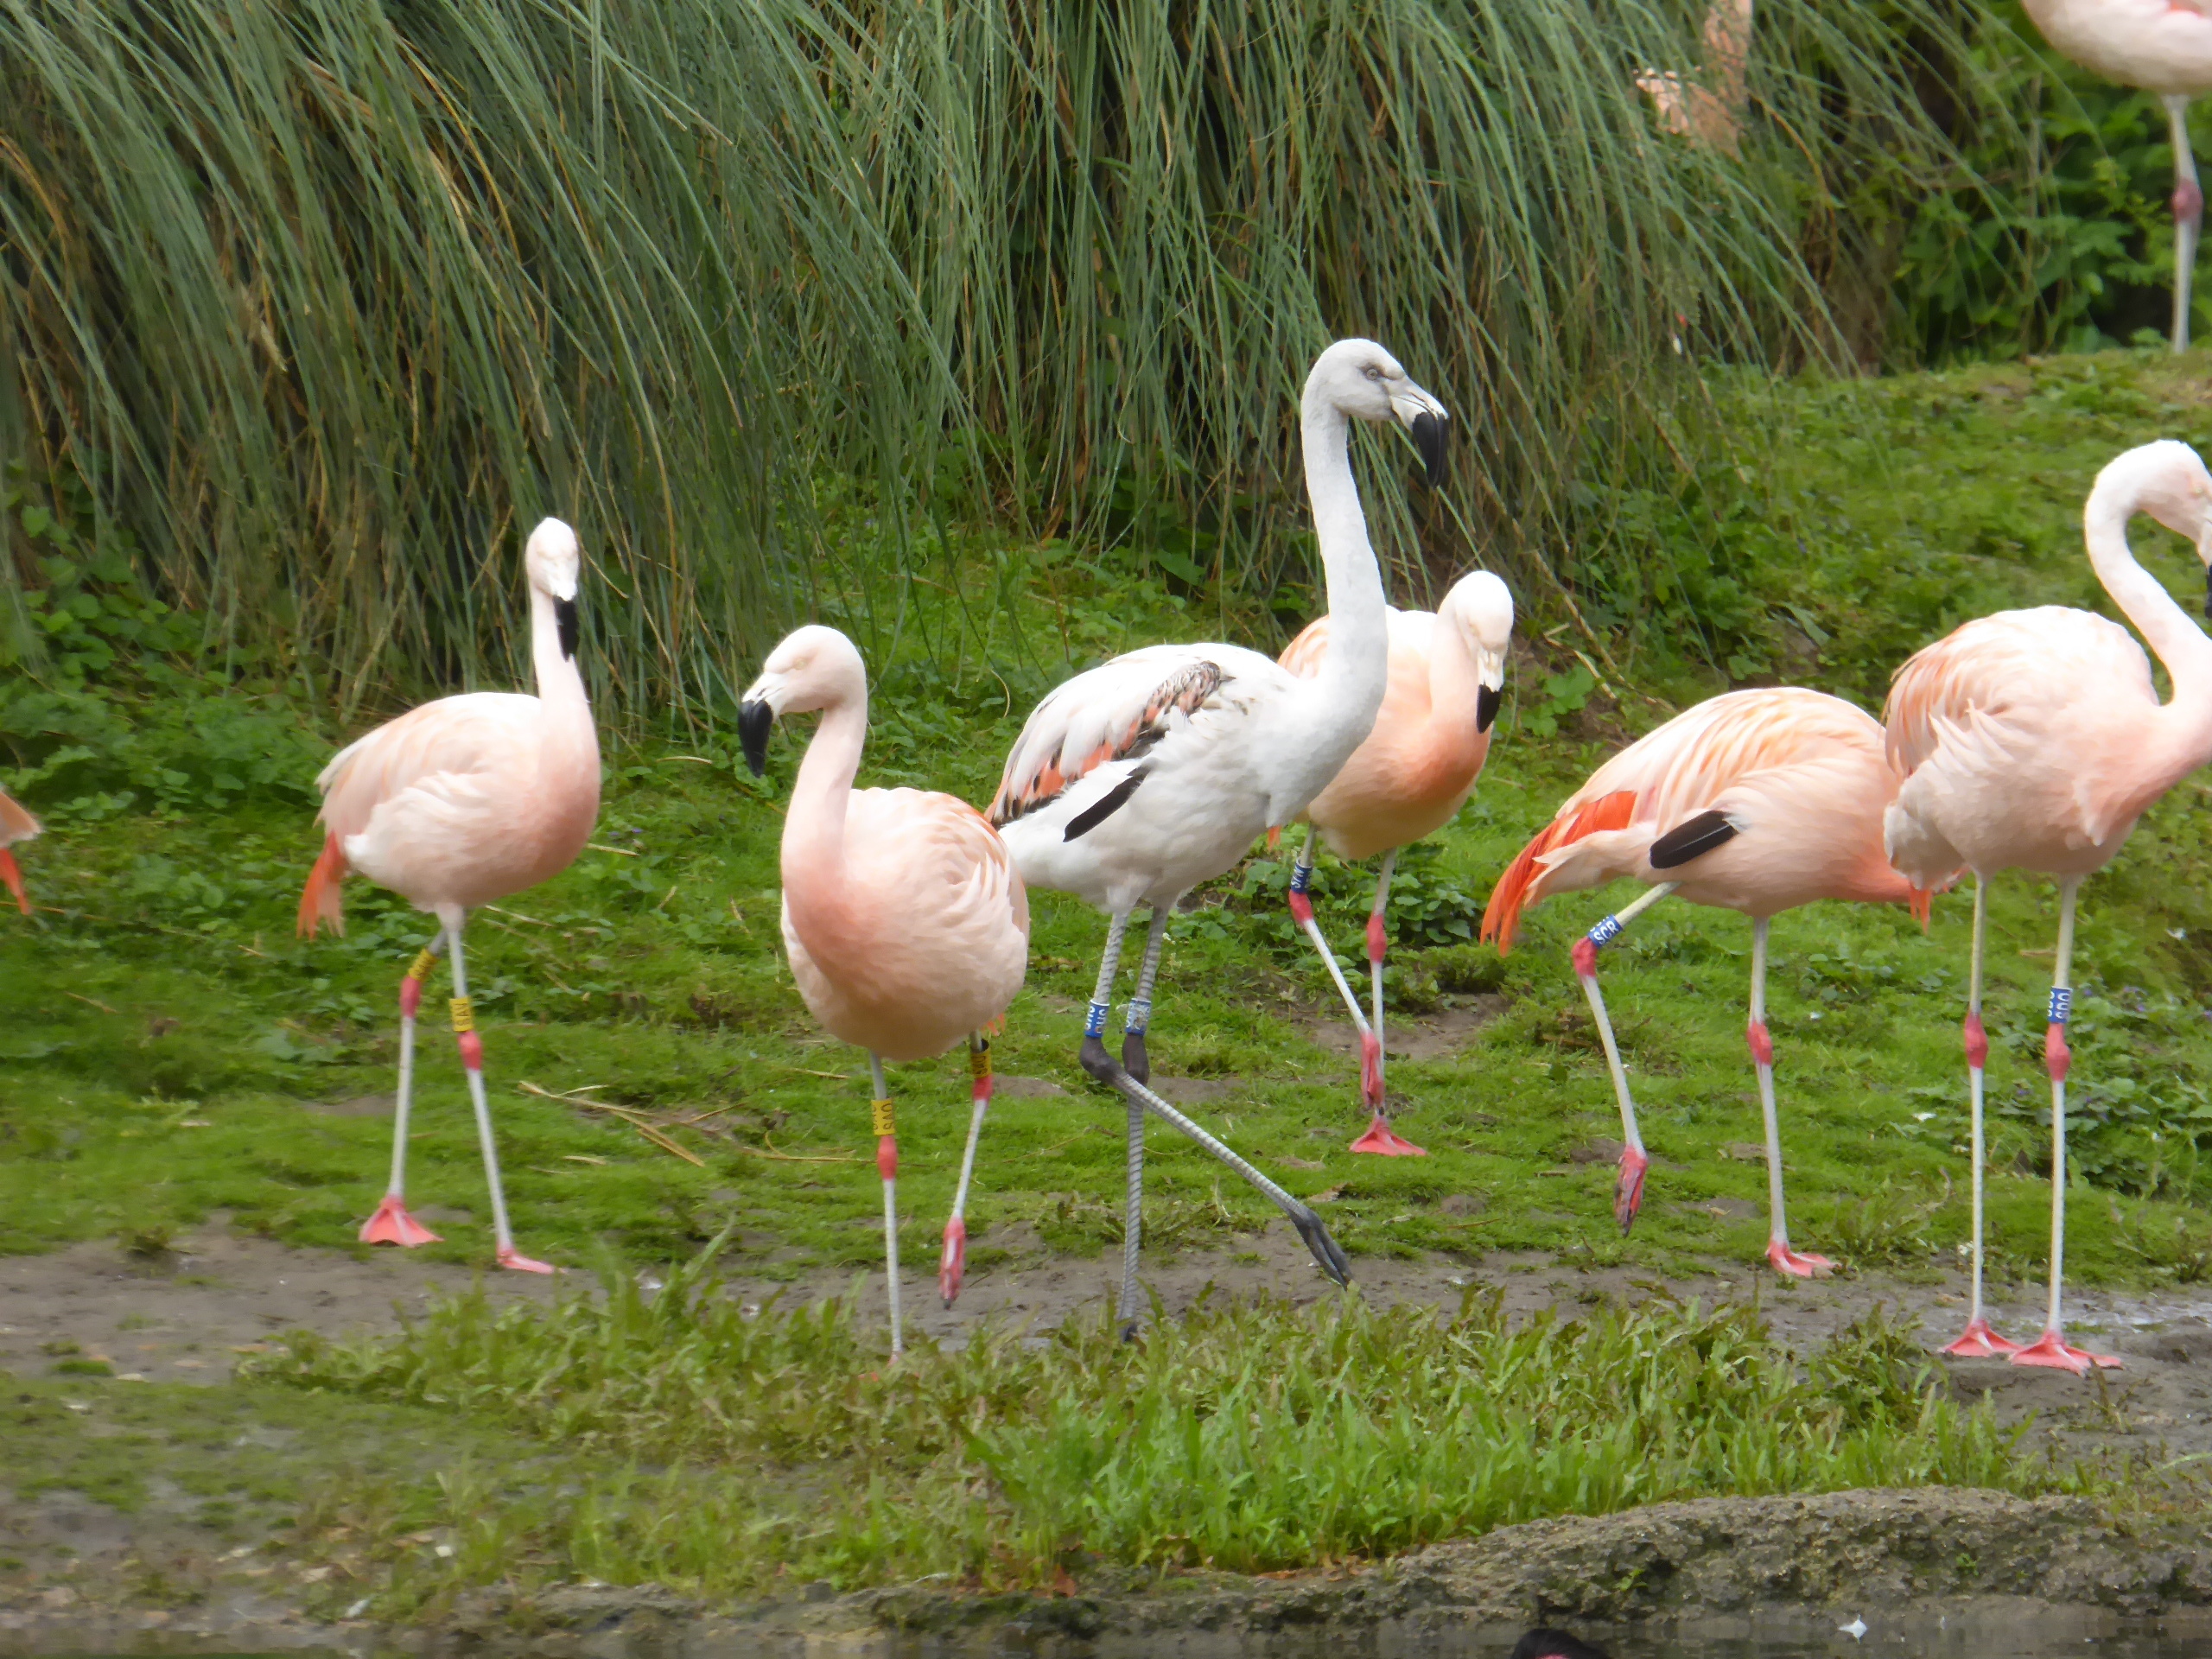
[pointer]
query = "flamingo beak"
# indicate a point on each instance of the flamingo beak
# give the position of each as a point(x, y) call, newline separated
point(1487, 698)
point(1428, 420)
point(564, 616)
point(755, 717)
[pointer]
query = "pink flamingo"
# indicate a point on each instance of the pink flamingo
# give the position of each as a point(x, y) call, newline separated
point(2033, 741)
point(907, 922)
point(16, 824)
point(1135, 782)
point(1713, 113)
point(2163, 47)
point(1408, 780)
point(458, 803)
point(1757, 801)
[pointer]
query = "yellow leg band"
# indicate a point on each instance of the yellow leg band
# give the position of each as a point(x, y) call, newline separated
point(464, 1016)
point(882, 1109)
point(978, 1060)
point(423, 965)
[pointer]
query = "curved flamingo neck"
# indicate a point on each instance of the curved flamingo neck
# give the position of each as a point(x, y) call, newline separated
point(1355, 664)
point(571, 752)
point(814, 822)
point(2182, 729)
point(1454, 673)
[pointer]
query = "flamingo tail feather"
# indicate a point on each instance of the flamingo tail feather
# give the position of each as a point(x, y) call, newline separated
point(1502, 916)
point(322, 900)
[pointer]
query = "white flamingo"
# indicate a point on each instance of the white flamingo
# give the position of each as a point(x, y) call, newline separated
point(1135, 782)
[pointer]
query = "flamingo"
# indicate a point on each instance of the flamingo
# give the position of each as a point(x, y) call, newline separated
point(457, 803)
point(2159, 46)
point(1712, 114)
point(16, 824)
point(2033, 741)
point(905, 921)
point(1134, 782)
point(1757, 801)
point(1408, 780)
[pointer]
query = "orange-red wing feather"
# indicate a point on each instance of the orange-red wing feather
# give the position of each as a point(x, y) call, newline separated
point(322, 900)
point(1502, 917)
point(1023, 790)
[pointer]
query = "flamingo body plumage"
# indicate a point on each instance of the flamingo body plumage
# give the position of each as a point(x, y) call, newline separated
point(905, 921)
point(458, 803)
point(2035, 740)
point(1408, 778)
point(1137, 780)
point(1757, 801)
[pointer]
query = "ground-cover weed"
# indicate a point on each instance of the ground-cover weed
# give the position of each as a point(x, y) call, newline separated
point(1250, 1437)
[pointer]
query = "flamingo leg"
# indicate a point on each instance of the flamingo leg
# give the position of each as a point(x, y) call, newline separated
point(12, 879)
point(391, 1224)
point(472, 1060)
point(1628, 1190)
point(1978, 1341)
point(1134, 1060)
point(2188, 214)
point(1380, 1137)
point(2051, 1349)
point(1370, 1045)
point(1784, 1259)
point(1108, 1070)
point(954, 1262)
point(886, 1166)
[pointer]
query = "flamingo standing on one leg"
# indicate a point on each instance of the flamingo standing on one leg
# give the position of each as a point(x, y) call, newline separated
point(2163, 47)
point(1133, 783)
point(907, 923)
point(2034, 739)
point(1408, 780)
point(1757, 801)
point(16, 824)
point(458, 803)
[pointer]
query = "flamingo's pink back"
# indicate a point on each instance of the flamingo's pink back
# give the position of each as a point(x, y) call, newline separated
point(1802, 774)
point(924, 936)
point(15, 823)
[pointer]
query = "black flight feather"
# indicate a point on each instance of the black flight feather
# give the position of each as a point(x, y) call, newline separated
point(1690, 838)
point(1114, 800)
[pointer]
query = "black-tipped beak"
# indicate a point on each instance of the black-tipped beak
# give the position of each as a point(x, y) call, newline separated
point(564, 615)
point(753, 719)
point(1487, 697)
point(1428, 438)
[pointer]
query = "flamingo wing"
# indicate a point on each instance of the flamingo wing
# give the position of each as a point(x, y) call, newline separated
point(1665, 784)
point(1118, 711)
point(16, 824)
point(438, 749)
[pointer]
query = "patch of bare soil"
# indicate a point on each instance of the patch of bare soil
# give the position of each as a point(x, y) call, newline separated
point(1446, 1030)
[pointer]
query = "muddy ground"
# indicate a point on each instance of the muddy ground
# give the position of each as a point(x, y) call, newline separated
point(190, 1316)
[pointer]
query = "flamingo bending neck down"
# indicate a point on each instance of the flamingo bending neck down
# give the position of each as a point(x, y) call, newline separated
point(16, 824)
point(905, 921)
point(1408, 780)
point(1757, 801)
point(2163, 47)
point(2034, 739)
point(461, 803)
point(1711, 110)
point(1134, 782)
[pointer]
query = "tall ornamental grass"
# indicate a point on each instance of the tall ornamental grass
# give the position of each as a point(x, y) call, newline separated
point(329, 301)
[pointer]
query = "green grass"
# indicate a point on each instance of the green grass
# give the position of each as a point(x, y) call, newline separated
point(1250, 1439)
point(161, 1030)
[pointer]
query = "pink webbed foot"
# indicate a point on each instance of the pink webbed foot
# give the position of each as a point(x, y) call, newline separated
point(1978, 1341)
point(515, 1261)
point(391, 1224)
point(954, 1262)
point(1628, 1190)
point(1381, 1139)
point(1798, 1264)
point(2052, 1350)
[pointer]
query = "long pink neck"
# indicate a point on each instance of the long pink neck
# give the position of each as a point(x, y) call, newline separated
point(568, 757)
point(2177, 735)
point(1455, 686)
point(814, 824)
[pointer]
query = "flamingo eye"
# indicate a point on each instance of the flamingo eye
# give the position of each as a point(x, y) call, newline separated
point(1374, 371)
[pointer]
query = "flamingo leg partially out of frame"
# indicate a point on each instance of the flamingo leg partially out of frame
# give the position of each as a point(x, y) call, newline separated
point(952, 1265)
point(472, 1060)
point(391, 1223)
point(1978, 1341)
point(1796, 1264)
point(1379, 1136)
point(1628, 1190)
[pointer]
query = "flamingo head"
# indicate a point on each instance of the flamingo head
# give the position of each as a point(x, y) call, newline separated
point(1359, 379)
point(814, 668)
point(1481, 606)
point(556, 562)
point(2168, 480)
